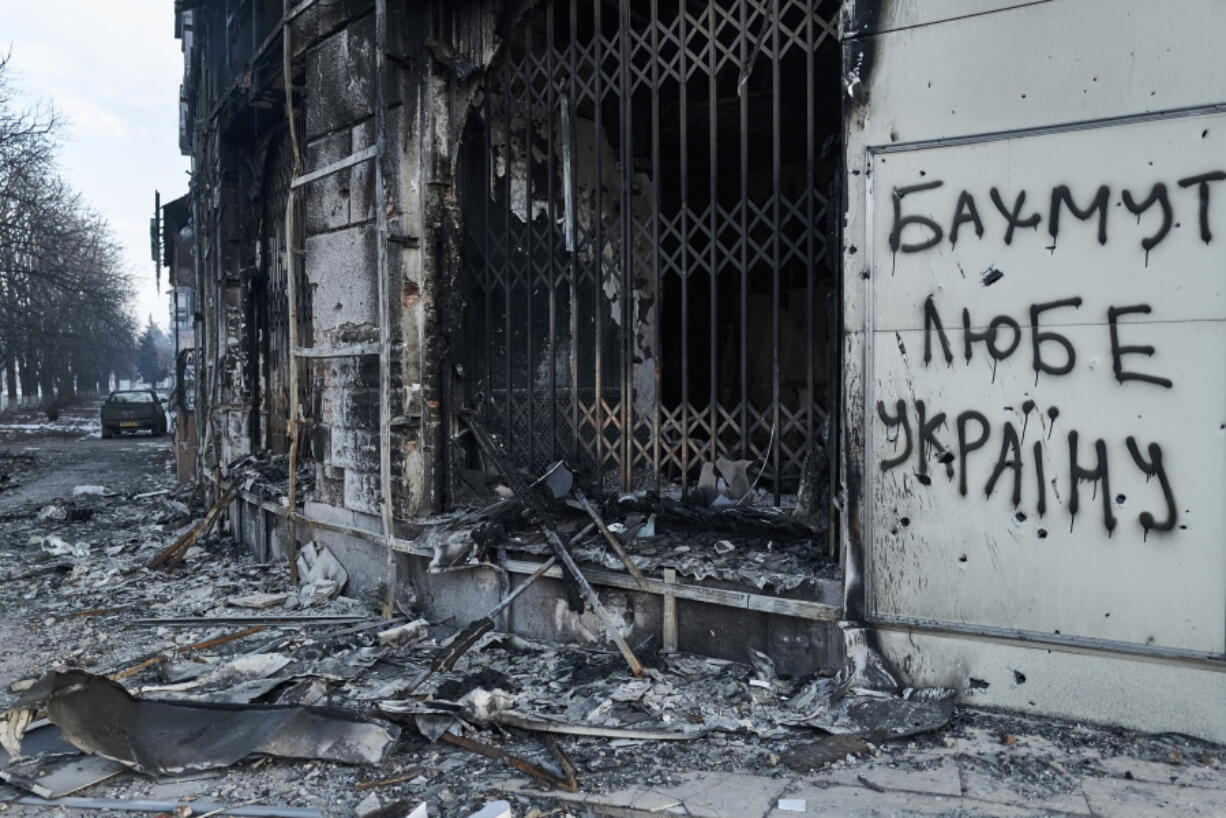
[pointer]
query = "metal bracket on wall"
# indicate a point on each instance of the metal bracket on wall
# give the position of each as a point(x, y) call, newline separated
point(351, 351)
point(339, 165)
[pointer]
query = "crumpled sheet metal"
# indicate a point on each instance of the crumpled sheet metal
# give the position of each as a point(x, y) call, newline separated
point(873, 715)
point(865, 699)
point(99, 716)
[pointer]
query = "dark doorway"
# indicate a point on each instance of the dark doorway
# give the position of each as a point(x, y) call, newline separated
point(648, 195)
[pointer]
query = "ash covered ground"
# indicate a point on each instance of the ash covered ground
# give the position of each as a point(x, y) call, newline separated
point(83, 517)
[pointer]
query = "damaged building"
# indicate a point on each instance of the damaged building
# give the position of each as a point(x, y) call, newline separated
point(748, 317)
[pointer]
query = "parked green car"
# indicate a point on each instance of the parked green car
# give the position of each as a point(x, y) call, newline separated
point(132, 410)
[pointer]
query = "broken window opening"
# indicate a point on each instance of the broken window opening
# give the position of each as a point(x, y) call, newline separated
point(692, 152)
point(269, 294)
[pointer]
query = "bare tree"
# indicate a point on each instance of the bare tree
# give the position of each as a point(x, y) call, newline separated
point(65, 321)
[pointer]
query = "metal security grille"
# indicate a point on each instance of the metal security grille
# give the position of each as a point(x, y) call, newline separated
point(274, 326)
point(646, 191)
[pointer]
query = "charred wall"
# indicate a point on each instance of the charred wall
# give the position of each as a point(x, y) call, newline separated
point(675, 297)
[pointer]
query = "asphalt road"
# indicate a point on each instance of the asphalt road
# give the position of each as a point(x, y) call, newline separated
point(70, 453)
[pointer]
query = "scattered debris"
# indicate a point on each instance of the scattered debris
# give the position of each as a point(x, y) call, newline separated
point(494, 809)
point(57, 547)
point(526, 767)
point(609, 537)
point(259, 601)
point(409, 633)
point(865, 699)
point(173, 554)
point(58, 776)
point(203, 645)
point(368, 806)
point(558, 479)
point(56, 510)
point(550, 712)
point(52, 568)
point(571, 568)
point(321, 575)
point(399, 778)
point(170, 807)
point(297, 620)
point(813, 755)
point(513, 719)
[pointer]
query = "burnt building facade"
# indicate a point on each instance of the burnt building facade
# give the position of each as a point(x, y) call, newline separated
point(607, 232)
point(735, 265)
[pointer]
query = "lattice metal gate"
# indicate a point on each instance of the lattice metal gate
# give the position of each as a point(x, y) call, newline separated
point(273, 316)
point(646, 190)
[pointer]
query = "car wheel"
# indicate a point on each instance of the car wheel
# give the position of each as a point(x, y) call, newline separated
point(107, 432)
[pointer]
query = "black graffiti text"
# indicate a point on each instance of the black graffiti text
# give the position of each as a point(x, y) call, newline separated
point(986, 457)
point(1051, 352)
point(921, 222)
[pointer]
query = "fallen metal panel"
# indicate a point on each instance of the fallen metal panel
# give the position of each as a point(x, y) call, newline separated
point(289, 619)
point(56, 777)
point(199, 807)
point(99, 716)
point(40, 738)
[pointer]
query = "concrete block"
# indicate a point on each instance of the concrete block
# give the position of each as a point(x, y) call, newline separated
point(338, 73)
point(466, 595)
point(341, 516)
point(321, 19)
point(341, 268)
point(350, 406)
point(361, 491)
point(330, 488)
point(354, 449)
point(327, 200)
point(362, 177)
point(797, 646)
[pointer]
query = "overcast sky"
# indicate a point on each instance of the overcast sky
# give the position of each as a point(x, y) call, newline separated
point(112, 68)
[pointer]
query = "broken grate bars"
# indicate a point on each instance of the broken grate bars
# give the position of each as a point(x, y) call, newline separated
point(646, 193)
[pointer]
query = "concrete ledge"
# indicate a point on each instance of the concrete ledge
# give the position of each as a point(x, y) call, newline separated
point(801, 635)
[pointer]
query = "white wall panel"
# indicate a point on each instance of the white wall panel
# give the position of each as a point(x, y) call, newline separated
point(1080, 96)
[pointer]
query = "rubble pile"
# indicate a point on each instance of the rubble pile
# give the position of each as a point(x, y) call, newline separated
point(154, 667)
point(706, 535)
point(141, 662)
